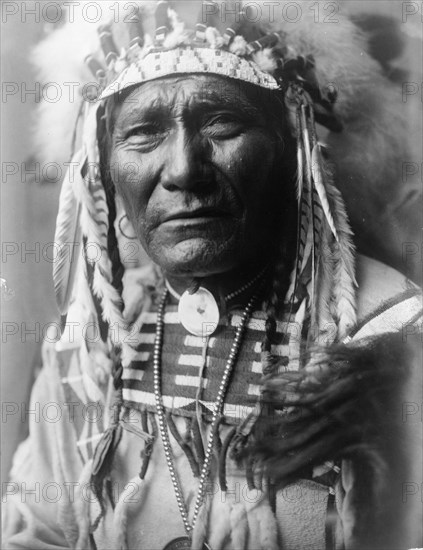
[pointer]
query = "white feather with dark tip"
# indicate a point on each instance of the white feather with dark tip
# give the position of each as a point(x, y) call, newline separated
point(318, 180)
point(67, 240)
point(345, 284)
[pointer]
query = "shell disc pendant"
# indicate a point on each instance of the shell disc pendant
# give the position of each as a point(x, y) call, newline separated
point(182, 543)
point(199, 312)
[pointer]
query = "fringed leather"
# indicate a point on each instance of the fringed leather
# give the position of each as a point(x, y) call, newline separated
point(221, 531)
point(243, 432)
point(198, 442)
point(217, 439)
point(240, 444)
point(262, 514)
point(184, 444)
point(103, 456)
point(239, 525)
point(222, 459)
point(106, 448)
point(131, 498)
point(129, 501)
point(200, 531)
point(82, 507)
point(249, 472)
point(148, 447)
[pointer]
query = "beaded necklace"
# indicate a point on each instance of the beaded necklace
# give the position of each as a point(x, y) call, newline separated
point(185, 542)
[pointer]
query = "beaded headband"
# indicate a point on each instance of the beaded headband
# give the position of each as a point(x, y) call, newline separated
point(190, 60)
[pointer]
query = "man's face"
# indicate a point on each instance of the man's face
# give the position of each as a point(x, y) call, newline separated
point(193, 159)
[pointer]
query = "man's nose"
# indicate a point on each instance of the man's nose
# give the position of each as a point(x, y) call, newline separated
point(184, 162)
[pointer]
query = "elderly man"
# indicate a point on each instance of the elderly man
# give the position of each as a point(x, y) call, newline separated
point(231, 391)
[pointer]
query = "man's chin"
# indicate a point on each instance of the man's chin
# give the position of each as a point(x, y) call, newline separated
point(198, 257)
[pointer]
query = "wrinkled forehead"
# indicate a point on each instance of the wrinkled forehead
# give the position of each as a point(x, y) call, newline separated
point(190, 92)
point(173, 95)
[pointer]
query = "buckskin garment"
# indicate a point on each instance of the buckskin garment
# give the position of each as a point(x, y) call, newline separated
point(44, 495)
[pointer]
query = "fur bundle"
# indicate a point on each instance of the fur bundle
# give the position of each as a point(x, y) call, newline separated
point(348, 405)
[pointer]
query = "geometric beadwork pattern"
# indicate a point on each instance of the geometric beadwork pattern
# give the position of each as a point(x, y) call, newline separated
point(189, 60)
point(182, 360)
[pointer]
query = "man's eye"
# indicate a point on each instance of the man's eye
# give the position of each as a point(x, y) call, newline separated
point(145, 137)
point(223, 119)
point(145, 131)
point(223, 126)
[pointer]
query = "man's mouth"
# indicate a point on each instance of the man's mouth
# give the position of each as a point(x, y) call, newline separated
point(197, 215)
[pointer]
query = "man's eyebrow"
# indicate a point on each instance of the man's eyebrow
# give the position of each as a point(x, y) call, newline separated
point(158, 105)
point(145, 109)
point(238, 102)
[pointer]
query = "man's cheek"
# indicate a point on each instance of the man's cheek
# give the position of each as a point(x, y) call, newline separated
point(133, 195)
point(256, 165)
point(128, 203)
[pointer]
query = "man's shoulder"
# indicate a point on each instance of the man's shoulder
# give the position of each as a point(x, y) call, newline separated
point(82, 372)
point(379, 284)
point(387, 301)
